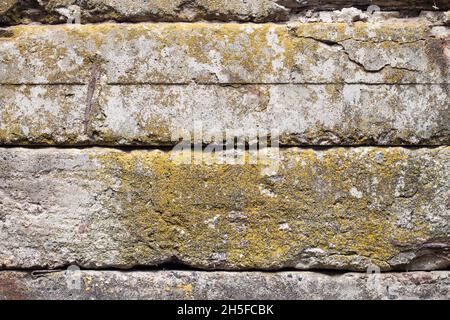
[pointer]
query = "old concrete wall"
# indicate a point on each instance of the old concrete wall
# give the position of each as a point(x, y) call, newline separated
point(227, 137)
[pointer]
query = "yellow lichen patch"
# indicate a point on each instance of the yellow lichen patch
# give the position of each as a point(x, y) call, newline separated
point(187, 290)
point(33, 114)
point(396, 32)
point(335, 32)
point(235, 216)
point(87, 280)
point(216, 53)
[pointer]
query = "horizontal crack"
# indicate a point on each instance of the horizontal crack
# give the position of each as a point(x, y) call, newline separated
point(332, 43)
point(170, 147)
point(36, 273)
point(222, 84)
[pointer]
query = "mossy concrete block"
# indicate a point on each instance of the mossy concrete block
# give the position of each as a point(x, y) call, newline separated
point(342, 208)
point(159, 115)
point(204, 53)
point(13, 12)
point(89, 11)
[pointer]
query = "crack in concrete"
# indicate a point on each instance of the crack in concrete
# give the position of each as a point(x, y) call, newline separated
point(340, 46)
point(95, 74)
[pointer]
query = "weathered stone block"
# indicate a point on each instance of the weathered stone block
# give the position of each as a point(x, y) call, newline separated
point(382, 4)
point(88, 11)
point(397, 53)
point(59, 11)
point(341, 208)
point(180, 285)
point(160, 114)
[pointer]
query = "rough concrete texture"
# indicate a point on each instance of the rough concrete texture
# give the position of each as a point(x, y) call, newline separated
point(155, 115)
point(181, 53)
point(113, 85)
point(410, 5)
point(58, 11)
point(352, 15)
point(88, 11)
point(329, 209)
point(179, 285)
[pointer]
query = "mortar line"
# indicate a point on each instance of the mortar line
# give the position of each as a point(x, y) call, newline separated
point(167, 148)
point(153, 269)
point(228, 84)
point(292, 18)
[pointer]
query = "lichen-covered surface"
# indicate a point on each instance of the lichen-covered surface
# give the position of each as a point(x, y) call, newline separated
point(333, 209)
point(88, 11)
point(394, 53)
point(193, 285)
point(160, 115)
point(95, 96)
point(59, 11)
